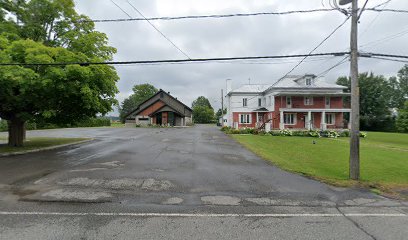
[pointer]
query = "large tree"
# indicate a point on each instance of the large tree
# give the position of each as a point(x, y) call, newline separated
point(203, 112)
point(141, 93)
point(378, 96)
point(402, 119)
point(50, 31)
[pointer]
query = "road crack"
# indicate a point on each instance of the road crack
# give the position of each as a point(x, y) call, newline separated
point(356, 224)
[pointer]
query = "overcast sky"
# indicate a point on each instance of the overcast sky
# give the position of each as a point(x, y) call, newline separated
point(239, 36)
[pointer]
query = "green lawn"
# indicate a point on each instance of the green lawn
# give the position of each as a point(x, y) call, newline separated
point(117, 125)
point(37, 143)
point(384, 157)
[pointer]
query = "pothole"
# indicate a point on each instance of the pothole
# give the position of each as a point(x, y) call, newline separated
point(173, 201)
point(221, 200)
point(121, 183)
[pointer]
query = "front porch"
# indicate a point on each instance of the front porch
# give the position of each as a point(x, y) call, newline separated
point(311, 119)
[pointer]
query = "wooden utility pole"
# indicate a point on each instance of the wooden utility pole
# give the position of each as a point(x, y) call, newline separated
point(355, 97)
point(222, 107)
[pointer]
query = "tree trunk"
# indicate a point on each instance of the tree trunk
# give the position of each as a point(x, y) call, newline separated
point(16, 131)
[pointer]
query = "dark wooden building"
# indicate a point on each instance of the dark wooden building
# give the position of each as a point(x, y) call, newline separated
point(161, 109)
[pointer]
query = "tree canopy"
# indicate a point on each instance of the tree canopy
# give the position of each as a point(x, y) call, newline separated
point(203, 112)
point(50, 31)
point(141, 93)
point(402, 119)
point(378, 97)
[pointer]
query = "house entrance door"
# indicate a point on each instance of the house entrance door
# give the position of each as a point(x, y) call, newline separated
point(159, 119)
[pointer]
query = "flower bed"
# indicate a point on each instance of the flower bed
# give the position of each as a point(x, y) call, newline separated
point(287, 132)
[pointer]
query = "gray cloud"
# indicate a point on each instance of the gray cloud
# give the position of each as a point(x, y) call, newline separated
point(262, 35)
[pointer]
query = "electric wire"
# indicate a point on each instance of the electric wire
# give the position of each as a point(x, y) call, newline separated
point(314, 49)
point(161, 33)
point(176, 60)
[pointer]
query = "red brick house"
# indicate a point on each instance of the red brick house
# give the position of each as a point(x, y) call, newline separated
point(160, 109)
point(295, 102)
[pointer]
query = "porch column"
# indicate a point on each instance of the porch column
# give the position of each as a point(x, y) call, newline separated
point(256, 122)
point(281, 122)
point(309, 119)
point(323, 123)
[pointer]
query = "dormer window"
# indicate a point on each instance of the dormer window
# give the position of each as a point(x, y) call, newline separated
point(308, 81)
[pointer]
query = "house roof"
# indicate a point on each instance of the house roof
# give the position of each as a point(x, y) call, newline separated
point(289, 82)
point(294, 83)
point(251, 88)
point(139, 108)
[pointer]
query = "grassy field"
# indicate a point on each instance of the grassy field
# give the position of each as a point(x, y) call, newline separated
point(117, 125)
point(384, 157)
point(37, 143)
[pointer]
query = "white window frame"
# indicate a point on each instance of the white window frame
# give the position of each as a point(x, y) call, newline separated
point(290, 100)
point(308, 103)
point(259, 102)
point(294, 118)
point(327, 102)
point(245, 102)
point(270, 100)
point(308, 81)
point(332, 118)
point(245, 118)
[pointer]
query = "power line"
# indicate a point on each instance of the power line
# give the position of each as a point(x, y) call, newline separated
point(211, 16)
point(130, 19)
point(342, 61)
point(321, 43)
point(121, 9)
point(161, 33)
point(385, 39)
point(390, 59)
point(388, 10)
point(178, 60)
point(386, 55)
point(384, 4)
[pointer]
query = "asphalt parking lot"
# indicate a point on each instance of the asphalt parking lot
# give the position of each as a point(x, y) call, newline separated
point(177, 183)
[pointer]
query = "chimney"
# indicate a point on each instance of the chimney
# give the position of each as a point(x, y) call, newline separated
point(229, 85)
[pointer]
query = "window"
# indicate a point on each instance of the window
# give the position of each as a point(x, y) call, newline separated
point(327, 101)
point(259, 102)
point(308, 100)
point(330, 118)
point(308, 81)
point(245, 102)
point(289, 118)
point(270, 100)
point(288, 101)
point(244, 118)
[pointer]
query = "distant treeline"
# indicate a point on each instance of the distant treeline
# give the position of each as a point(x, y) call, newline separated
point(91, 122)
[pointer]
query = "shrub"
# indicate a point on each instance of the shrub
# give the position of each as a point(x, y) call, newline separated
point(138, 125)
point(225, 129)
point(286, 132)
point(345, 133)
point(363, 134)
point(314, 133)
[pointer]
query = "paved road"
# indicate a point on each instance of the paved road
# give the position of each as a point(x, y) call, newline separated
point(179, 183)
